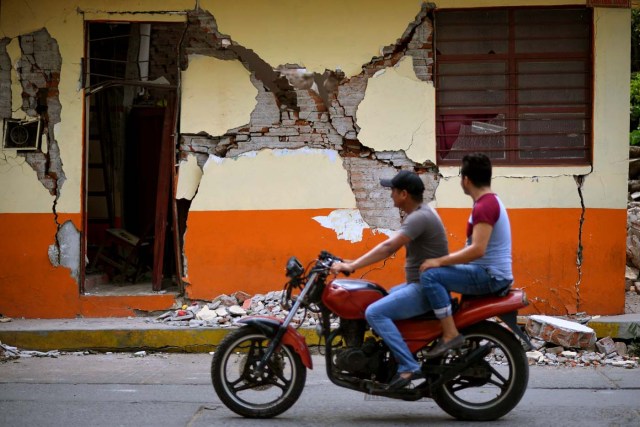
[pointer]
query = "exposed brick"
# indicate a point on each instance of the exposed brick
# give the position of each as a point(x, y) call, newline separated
point(561, 332)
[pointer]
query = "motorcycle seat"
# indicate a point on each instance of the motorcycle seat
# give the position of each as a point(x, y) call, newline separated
point(455, 303)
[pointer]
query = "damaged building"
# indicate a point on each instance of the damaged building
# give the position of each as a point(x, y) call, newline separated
point(160, 151)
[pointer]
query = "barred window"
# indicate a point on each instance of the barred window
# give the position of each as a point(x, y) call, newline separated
point(514, 83)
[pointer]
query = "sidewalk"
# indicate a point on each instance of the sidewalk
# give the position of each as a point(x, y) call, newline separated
point(132, 334)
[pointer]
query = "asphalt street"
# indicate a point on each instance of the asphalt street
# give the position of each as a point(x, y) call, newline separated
point(175, 390)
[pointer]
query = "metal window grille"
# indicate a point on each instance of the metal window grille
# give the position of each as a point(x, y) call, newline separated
point(514, 83)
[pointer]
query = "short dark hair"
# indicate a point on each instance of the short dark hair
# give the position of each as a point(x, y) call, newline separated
point(477, 167)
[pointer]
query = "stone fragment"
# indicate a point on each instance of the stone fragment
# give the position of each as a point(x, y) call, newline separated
point(555, 350)
point(621, 348)
point(534, 356)
point(560, 331)
point(606, 345)
point(240, 297)
point(140, 353)
point(236, 310)
point(206, 314)
point(221, 311)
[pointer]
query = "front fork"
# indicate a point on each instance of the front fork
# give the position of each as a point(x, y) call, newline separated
point(279, 334)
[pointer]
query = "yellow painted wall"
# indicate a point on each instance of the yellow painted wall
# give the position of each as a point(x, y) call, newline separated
point(217, 96)
point(398, 112)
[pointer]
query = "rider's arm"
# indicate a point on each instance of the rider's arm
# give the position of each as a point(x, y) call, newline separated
point(381, 251)
point(479, 242)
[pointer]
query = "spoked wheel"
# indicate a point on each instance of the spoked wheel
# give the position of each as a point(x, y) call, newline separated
point(248, 392)
point(494, 385)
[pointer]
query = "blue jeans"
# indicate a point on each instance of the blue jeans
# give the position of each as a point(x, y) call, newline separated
point(404, 301)
point(466, 279)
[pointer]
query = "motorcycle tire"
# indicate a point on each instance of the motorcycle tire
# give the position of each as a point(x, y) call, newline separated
point(459, 396)
point(252, 394)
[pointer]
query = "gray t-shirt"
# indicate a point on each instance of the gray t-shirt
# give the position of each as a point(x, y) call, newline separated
point(428, 239)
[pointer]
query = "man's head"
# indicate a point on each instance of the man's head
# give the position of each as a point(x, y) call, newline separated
point(406, 181)
point(476, 168)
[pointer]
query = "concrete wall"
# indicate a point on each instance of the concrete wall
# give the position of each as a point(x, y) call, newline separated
point(290, 113)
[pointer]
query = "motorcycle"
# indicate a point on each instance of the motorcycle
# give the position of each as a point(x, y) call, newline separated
point(259, 370)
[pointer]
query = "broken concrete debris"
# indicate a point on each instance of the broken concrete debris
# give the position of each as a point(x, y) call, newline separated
point(8, 352)
point(560, 331)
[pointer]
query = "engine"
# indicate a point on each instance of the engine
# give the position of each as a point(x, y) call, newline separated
point(363, 361)
point(361, 357)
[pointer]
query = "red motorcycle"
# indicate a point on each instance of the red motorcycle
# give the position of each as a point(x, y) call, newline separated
point(259, 370)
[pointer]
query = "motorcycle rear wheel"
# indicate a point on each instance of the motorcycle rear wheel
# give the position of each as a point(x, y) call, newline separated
point(492, 387)
point(242, 389)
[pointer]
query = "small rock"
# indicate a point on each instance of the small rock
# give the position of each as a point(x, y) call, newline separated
point(555, 350)
point(236, 310)
point(621, 348)
point(140, 353)
point(569, 354)
point(606, 345)
point(221, 311)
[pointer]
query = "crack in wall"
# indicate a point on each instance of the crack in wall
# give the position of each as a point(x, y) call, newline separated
point(579, 253)
point(38, 70)
point(297, 109)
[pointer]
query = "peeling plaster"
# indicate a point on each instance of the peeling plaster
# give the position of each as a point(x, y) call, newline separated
point(66, 251)
point(397, 113)
point(348, 224)
point(188, 178)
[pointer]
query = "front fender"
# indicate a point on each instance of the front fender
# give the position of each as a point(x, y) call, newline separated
point(292, 338)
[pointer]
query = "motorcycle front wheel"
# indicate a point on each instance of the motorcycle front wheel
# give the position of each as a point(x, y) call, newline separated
point(248, 392)
point(494, 385)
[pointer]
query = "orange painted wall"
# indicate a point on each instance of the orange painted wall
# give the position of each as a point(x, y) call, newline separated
point(247, 250)
point(29, 285)
point(545, 244)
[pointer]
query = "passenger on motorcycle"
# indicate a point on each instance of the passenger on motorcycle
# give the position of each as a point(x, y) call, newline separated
point(423, 235)
point(483, 266)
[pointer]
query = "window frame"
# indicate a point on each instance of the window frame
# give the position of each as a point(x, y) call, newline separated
point(512, 109)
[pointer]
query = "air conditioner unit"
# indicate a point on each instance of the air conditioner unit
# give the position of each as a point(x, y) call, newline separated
point(21, 134)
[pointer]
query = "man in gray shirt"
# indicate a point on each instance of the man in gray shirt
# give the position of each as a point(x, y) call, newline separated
point(423, 234)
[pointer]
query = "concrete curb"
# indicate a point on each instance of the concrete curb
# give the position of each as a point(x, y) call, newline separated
point(133, 334)
point(116, 335)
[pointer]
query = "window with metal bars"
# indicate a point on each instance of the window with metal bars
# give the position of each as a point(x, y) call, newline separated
point(514, 83)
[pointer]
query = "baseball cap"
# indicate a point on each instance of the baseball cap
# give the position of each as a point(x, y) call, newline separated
point(405, 180)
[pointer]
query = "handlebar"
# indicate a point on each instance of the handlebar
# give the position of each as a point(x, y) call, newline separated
point(326, 256)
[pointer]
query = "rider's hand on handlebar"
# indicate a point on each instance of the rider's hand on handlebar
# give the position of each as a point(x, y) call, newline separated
point(342, 267)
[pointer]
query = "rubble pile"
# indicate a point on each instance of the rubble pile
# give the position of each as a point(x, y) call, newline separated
point(224, 310)
point(8, 352)
point(615, 354)
point(558, 341)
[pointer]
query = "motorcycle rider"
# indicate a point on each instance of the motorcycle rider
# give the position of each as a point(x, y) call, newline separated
point(483, 266)
point(423, 235)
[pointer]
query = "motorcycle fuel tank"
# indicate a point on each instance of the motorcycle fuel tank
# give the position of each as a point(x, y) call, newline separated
point(350, 298)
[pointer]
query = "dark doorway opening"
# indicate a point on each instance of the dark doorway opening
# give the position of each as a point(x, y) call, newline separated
point(130, 240)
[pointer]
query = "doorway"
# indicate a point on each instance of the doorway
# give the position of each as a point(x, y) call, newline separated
point(130, 243)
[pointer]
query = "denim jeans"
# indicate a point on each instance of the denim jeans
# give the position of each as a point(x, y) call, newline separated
point(404, 301)
point(469, 279)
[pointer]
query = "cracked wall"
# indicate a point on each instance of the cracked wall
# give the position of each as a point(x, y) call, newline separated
point(296, 107)
point(311, 65)
point(31, 82)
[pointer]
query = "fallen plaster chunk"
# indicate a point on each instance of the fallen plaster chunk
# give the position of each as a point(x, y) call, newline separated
point(188, 178)
point(561, 332)
point(66, 250)
point(347, 223)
